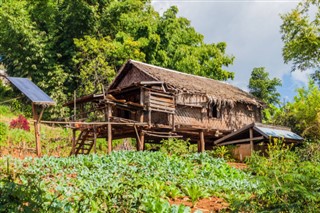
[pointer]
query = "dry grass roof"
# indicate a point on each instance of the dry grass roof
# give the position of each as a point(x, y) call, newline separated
point(216, 91)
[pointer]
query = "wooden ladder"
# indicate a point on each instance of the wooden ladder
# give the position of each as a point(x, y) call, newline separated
point(85, 142)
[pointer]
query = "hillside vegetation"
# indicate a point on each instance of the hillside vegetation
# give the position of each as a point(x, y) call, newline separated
point(20, 141)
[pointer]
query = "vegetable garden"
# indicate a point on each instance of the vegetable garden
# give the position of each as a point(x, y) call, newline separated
point(121, 182)
point(155, 181)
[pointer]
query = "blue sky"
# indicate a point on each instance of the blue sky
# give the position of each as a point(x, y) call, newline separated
point(251, 30)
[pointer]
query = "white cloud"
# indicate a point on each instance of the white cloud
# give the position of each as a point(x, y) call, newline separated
point(302, 77)
point(251, 30)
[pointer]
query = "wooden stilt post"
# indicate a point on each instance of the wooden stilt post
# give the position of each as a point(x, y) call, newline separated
point(73, 142)
point(109, 130)
point(201, 143)
point(36, 129)
point(141, 141)
point(251, 139)
point(95, 142)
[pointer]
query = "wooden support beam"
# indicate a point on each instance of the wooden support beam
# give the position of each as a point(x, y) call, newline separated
point(251, 139)
point(240, 141)
point(73, 149)
point(37, 129)
point(142, 141)
point(95, 141)
point(201, 142)
point(109, 129)
point(138, 138)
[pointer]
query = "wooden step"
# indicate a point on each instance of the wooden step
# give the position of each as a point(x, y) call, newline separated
point(84, 143)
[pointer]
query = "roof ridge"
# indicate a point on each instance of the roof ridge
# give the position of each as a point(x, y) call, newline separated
point(188, 74)
point(179, 72)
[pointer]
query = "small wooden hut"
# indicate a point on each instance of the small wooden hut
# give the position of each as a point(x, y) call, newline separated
point(151, 103)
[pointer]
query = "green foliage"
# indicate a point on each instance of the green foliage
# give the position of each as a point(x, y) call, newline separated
point(195, 192)
point(67, 45)
point(303, 114)
point(263, 87)
point(120, 182)
point(286, 184)
point(18, 136)
point(310, 151)
point(224, 152)
point(175, 146)
point(300, 34)
point(5, 92)
point(3, 133)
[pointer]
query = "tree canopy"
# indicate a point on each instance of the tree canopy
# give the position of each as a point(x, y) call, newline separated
point(264, 88)
point(301, 35)
point(67, 45)
point(303, 113)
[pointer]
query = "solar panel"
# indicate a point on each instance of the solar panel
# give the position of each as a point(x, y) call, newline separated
point(32, 91)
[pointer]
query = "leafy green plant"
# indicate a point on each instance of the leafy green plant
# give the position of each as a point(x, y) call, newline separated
point(194, 192)
point(3, 133)
point(175, 146)
point(285, 182)
point(309, 151)
point(224, 152)
point(121, 182)
point(17, 136)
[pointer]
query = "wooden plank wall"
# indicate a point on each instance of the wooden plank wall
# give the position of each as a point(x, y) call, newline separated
point(133, 75)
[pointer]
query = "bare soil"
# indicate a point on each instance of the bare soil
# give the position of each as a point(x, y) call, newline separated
point(240, 166)
point(211, 204)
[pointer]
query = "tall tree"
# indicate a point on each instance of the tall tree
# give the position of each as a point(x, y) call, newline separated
point(301, 36)
point(263, 87)
point(66, 45)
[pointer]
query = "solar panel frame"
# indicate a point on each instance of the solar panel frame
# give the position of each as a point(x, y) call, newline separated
point(32, 91)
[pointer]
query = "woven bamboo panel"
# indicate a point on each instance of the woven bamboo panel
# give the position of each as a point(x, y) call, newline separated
point(188, 116)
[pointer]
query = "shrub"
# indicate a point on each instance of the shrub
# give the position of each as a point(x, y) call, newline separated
point(224, 152)
point(310, 151)
point(3, 133)
point(175, 146)
point(286, 184)
point(20, 123)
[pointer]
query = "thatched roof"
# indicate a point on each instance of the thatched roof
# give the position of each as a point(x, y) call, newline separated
point(216, 91)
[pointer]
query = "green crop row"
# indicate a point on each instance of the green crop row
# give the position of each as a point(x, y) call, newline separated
point(121, 182)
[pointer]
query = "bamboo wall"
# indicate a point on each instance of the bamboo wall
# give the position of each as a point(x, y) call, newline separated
point(190, 112)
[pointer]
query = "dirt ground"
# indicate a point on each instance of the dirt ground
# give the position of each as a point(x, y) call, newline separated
point(211, 204)
point(238, 165)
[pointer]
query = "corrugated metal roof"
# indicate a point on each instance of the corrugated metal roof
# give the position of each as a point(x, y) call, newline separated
point(278, 133)
point(32, 91)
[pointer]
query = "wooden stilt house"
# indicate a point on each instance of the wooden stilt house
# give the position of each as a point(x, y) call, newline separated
point(151, 103)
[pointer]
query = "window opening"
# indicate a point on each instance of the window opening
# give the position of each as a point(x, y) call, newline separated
point(215, 111)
